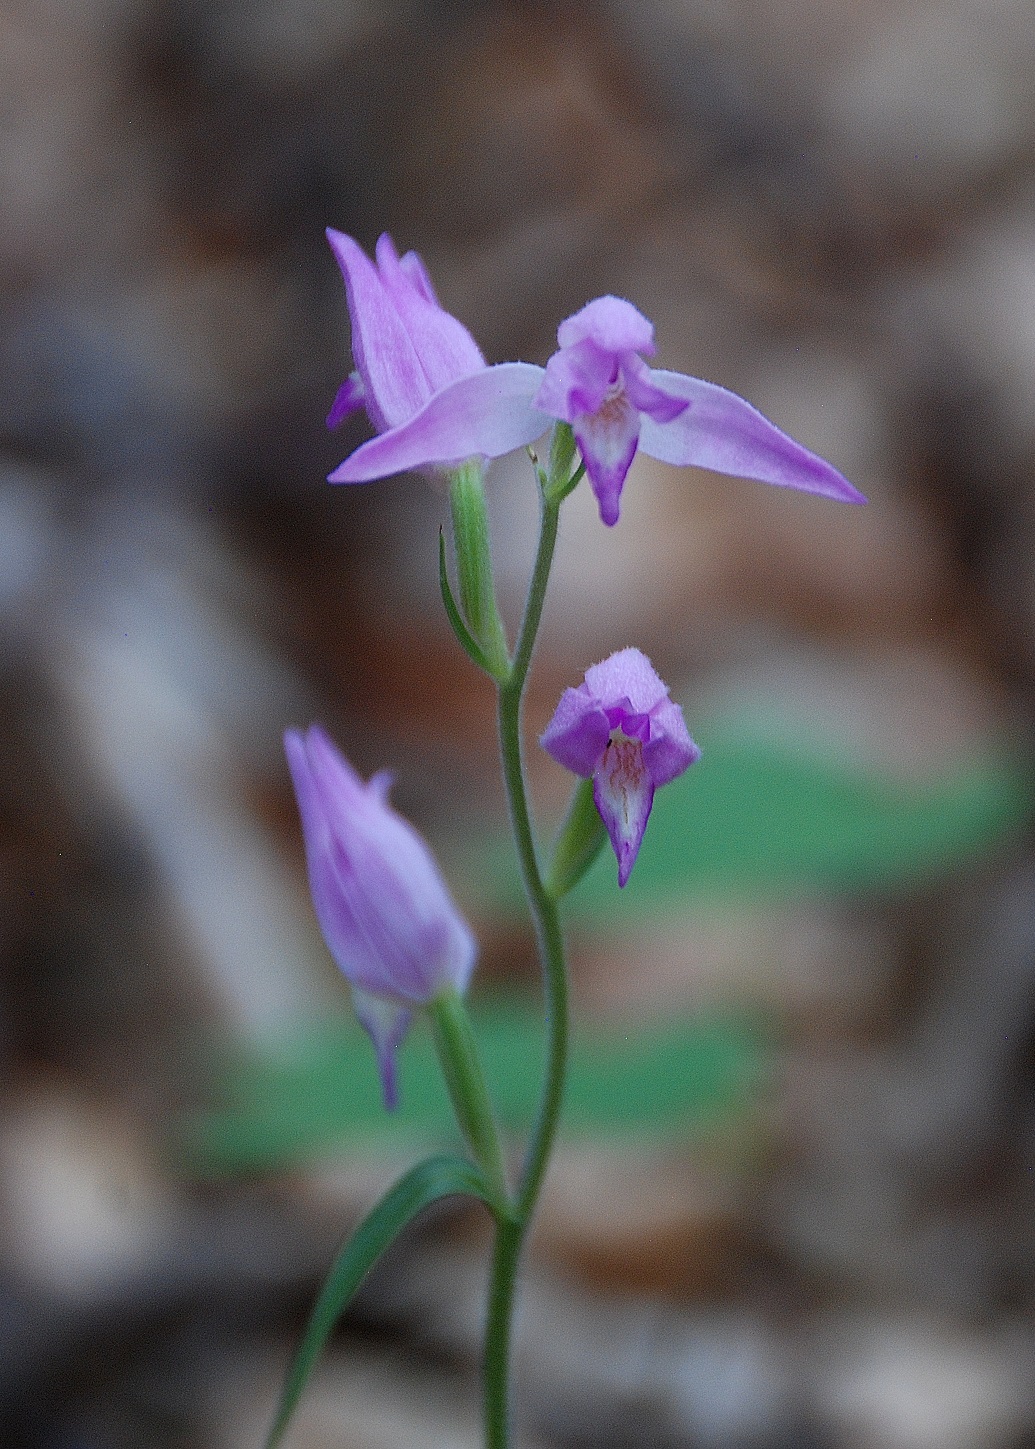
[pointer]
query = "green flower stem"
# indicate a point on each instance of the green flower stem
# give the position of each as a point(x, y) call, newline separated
point(510, 1234)
point(468, 1091)
point(549, 517)
point(474, 565)
point(510, 1237)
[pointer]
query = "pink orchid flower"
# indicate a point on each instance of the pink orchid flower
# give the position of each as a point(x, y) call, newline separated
point(621, 729)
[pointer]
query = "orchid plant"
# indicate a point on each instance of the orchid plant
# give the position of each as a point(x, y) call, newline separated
point(385, 911)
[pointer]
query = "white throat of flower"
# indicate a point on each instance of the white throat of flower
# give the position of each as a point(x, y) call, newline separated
point(621, 773)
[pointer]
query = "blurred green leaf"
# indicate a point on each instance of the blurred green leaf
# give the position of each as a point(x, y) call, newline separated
point(318, 1092)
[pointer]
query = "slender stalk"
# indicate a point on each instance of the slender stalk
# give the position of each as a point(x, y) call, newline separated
point(484, 639)
point(549, 517)
point(468, 1090)
point(510, 1235)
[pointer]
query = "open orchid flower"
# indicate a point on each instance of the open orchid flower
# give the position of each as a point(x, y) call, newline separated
point(598, 383)
point(384, 909)
point(620, 729)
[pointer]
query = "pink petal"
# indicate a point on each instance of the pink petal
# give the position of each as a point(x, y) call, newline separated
point(413, 265)
point(576, 381)
point(484, 415)
point(627, 675)
point(444, 346)
point(669, 750)
point(622, 716)
point(643, 392)
point(607, 440)
point(719, 430)
point(334, 775)
point(321, 776)
point(578, 733)
point(612, 323)
point(396, 385)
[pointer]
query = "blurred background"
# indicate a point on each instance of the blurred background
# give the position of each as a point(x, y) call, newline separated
point(793, 1204)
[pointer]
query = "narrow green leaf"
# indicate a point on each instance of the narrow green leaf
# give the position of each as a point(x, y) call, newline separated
point(424, 1184)
point(465, 638)
point(560, 493)
point(562, 453)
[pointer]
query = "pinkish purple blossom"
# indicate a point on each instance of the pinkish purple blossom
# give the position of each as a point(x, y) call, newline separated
point(384, 909)
point(599, 383)
point(621, 729)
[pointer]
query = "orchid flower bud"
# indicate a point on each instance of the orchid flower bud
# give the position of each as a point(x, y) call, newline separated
point(384, 909)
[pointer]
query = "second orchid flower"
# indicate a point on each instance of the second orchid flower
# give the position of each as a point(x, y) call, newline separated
point(621, 729)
